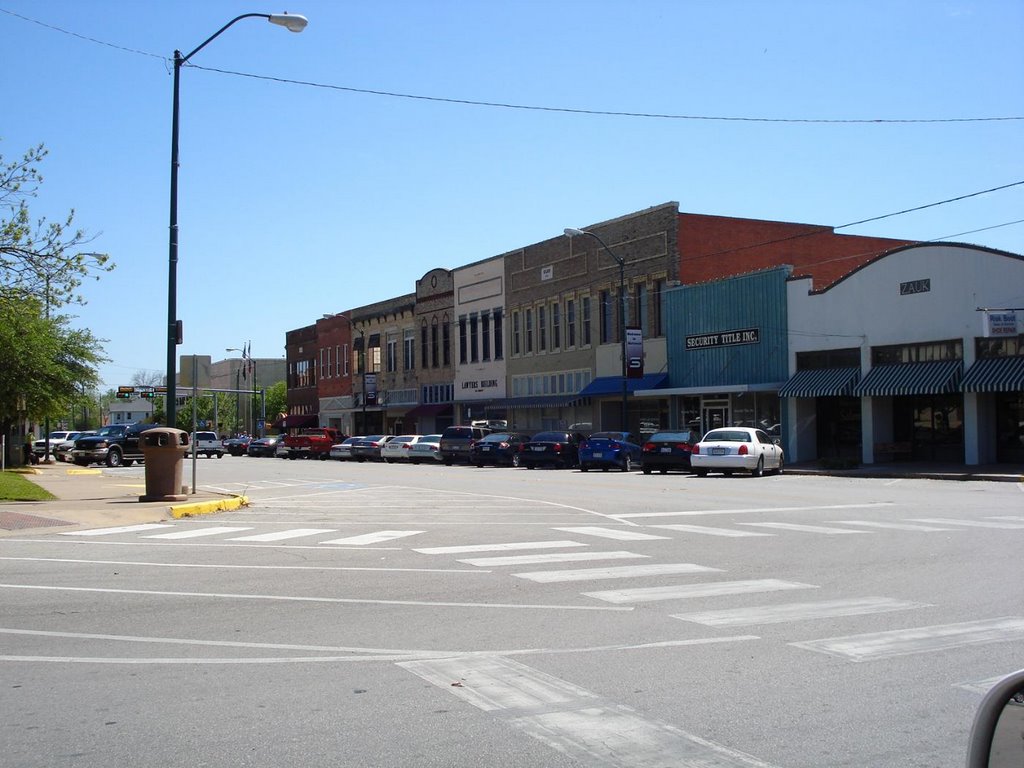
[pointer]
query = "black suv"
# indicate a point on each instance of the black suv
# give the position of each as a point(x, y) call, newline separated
point(456, 442)
point(115, 445)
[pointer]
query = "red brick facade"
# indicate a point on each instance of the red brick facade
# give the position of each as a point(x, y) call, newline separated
point(713, 247)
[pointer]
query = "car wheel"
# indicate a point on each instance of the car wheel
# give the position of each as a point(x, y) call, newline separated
point(759, 469)
point(584, 468)
point(113, 458)
point(647, 471)
point(664, 471)
point(604, 469)
point(627, 464)
point(727, 472)
point(529, 466)
point(702, 473)
point(128, 462)
point(778, 469)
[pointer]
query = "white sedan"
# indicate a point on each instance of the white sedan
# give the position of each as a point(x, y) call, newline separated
point(737, 448)
point(398, 448)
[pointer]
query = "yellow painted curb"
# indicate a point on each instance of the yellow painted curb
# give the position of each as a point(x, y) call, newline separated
point(208, 507)
point(85, 471)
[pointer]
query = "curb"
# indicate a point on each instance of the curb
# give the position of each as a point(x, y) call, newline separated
point(179, 511)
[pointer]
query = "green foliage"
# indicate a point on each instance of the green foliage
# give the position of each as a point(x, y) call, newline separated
point(277, 400)
point(14, 487)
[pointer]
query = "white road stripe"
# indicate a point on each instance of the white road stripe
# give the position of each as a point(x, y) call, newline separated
point(294, 533)
point(803, 528)
point(194, 534)
point(555, 557)
point(249, 567)
point(971, 523)
point(372, 538)
point(708, 531)
point(890, 526)
point(902, 642)
point(498, 547)
point(612, 533)
point(615, 572)
point(749, 510)
point(117, 529)
point(686, 591)
point(580, 724)
point(306, 599)
point(777, 614)
point(1014, 518)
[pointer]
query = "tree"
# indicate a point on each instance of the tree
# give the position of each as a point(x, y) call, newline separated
point(277, 400)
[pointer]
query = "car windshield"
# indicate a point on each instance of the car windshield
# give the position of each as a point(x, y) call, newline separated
point(496, 437)
point(550, 437)
point(726, 436)
point(671, 437)
point(111, 430)
point(607, 436)
point(459, 432)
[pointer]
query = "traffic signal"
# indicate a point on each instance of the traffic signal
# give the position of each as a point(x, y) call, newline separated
point(124, 395)
point(148, 395)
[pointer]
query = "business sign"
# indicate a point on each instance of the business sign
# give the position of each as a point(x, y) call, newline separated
point(725, 339)
point(634, 353)
point(999, 324)
point(915, 286)
point(370, 388)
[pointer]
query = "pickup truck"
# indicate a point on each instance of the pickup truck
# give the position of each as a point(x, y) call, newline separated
point(114, 445)
point(312, 443)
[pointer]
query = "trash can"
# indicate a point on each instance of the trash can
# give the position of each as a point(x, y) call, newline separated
point(164, 449)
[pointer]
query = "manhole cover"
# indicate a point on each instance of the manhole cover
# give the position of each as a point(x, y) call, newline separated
point(15, 521)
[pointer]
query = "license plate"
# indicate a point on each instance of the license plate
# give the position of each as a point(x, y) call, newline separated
point(719, 451)
point(540, 448)
point(598, 455)
point(485, 448)
point(666, 449)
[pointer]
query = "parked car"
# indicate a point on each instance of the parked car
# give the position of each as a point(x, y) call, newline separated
point(397, 449)
point(559, 449)
point(237, 446)
point(114, 445)
point(497, 448)
point(281, 450)
point(343, 451)
point(427, 448)
point(456, 442)
point(207, 444)
point(737, 448)
point(368, 449)
point(663, 451)
point(264, 446)
point(54, 439)
point(63, 450)
point(313, 443)
point(604, 450)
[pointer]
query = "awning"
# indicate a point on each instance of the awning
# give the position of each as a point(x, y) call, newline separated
point(374, 340)
point(294, 422)
point(429, 409)
point(995, 374)
point(823, 382)
point(535, 401)
point(933, 378)
point(605, 386)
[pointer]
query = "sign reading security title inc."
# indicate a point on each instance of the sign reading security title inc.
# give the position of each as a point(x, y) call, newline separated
point(724, 339)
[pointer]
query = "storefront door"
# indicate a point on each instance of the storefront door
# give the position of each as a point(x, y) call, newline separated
point(714, 414)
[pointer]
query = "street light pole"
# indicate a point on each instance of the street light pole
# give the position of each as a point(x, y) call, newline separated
point(571, 232)
point(293, 23)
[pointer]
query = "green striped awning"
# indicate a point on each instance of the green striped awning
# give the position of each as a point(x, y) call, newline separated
point(995, 374)
point(938, 377)
point(824, 382)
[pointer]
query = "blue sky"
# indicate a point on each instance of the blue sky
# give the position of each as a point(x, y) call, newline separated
point(299, 200)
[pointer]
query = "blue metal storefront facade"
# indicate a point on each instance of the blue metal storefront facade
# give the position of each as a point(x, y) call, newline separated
point(727, 352)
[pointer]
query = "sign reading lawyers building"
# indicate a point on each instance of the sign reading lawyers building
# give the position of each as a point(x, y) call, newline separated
point(725, 339)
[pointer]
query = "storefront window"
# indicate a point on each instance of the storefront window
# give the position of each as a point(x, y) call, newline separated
point(1010, 427)
point(743, 410)
point(918, 353)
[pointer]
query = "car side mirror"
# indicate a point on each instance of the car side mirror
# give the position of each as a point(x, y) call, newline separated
point(995, 740)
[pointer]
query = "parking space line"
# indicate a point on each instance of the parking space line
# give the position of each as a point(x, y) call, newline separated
point(687, 591)
point(456, 550)
point(615, 572)
point(554, 557)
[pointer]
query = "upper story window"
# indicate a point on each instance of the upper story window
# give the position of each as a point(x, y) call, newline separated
point(434, 342)
point(1010, 346)
point(918, 353)
point(570, 323)
point(516, 349)
point(542, 328)
point(828, 358)
point(424, 349)
point(640, 309)
point(499, 341)
point(556, 326)
point(446, 345)
point(485, 336)
point(462, 339)
point(607, 317)
point(474, 338)
point(392, 352)
point(528, 320)
point(585, 320)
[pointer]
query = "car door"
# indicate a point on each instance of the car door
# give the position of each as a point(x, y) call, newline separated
point(769, 449)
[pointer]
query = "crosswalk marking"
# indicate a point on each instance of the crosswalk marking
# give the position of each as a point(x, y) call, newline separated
point(1008, 525)
point(902, 642)
point(194, 534)
point(890, 526)
point(748, 510)
point(612, 533)
point(615, 572)
point(709, 531)
point(804, 528)
point(294, 533)
point(372, 538)
point(686, 591)
point(777, 614)
point(498, 547)
point(1013, 518)
point(554, 557)
point(588, 729)
point(117, 529)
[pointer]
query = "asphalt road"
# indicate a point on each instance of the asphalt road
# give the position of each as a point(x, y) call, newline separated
point(391, 615)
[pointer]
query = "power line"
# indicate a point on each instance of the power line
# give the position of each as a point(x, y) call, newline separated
point(534, 107)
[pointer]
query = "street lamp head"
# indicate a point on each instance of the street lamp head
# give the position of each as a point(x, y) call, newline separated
point(291, 22)
point(573, 232)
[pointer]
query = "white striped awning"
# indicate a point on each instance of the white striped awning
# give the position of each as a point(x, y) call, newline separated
point(995, 374)
point(939, 377)
point(823, 382)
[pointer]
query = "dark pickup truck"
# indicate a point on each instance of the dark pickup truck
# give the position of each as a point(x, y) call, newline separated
point(114, 445)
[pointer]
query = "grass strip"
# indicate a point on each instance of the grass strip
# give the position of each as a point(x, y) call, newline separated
point(15, 487)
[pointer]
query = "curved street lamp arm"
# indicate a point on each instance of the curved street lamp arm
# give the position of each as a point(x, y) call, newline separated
point(179, 59)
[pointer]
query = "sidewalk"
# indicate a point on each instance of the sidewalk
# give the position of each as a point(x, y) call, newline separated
point(89, 498)
point(1007, 473)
